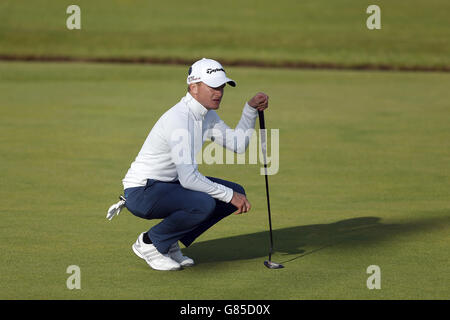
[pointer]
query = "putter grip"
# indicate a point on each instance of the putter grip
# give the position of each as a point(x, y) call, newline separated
point(262, 127)
point(262, 124)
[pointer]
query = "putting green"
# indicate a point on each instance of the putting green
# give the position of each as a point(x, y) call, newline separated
point(363, 180)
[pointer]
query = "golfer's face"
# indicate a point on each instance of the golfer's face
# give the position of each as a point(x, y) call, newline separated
point(210, 97)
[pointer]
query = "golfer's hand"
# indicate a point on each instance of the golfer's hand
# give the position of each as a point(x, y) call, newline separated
point(240, 202)
point(260, 101)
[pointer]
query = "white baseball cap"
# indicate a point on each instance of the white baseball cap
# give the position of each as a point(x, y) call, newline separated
point(209, 72)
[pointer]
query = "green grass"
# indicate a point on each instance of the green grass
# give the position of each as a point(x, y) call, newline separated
point(363, 180)
point(413, 32)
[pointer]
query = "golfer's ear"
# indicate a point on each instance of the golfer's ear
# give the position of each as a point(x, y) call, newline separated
point(193, 89)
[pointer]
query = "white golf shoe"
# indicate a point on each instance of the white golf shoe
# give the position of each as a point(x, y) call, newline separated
point(175, 254)
point(153, 257)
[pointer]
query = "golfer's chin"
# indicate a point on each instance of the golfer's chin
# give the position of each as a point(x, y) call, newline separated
point(214, 105)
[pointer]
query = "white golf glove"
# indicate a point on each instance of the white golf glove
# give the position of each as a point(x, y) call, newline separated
point(115, 209)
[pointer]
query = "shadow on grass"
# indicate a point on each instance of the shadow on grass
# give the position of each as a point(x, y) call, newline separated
point(294, 240)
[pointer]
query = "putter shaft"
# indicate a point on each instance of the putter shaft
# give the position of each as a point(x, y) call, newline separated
point(262, 127)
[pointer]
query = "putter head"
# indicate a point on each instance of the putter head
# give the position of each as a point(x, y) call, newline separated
point(273, 265)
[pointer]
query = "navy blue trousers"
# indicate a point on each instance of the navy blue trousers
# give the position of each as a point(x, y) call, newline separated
point(186, 213)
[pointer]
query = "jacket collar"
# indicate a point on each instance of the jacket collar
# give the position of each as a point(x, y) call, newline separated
point(197, 109)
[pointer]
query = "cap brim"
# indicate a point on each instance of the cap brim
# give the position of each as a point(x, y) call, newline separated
point(217, 82)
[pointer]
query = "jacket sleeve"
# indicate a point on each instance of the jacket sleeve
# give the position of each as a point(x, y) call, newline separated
point(236, 139)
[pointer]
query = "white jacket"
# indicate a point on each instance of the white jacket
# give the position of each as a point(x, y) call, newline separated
point(168, 153)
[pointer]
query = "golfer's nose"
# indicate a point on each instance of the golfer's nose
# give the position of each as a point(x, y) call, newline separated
point(218, 92)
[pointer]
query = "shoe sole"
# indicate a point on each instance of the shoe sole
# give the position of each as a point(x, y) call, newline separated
point(136, 251)
point(187, 265)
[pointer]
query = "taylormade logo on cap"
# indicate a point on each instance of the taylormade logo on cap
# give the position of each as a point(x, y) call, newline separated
point(214, 70)
point(209, 72)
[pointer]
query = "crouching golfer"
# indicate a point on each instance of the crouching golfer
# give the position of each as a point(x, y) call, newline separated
point(164, 182)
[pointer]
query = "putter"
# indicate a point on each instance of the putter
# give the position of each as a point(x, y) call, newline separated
point(262, 126)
